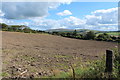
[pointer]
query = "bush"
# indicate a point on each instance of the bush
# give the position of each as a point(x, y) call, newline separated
point(3, 26)
point(90, 35)
point(74, 34)
point(27, 30)
point(104, 37)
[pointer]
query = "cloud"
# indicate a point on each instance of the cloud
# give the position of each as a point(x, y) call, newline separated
point(13, 22)
point(61, 1)
point(3, 20)
point(21, 10)
point(72, 22)
point(64, 13)
point(69, 22)
point(105, 16)
point(105, 19)
point(105, 10)
point(42, 23)
point(98, 20)
point(1, 13)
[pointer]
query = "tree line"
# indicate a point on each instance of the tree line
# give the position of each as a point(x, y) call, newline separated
point(85, 36)
point(18, 28)
point(90, 35)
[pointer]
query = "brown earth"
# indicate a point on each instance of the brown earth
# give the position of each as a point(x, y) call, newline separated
point(36, 55)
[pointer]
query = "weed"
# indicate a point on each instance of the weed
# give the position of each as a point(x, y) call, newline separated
point(4, 74)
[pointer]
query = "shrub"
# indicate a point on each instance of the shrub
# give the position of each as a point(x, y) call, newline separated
point(74, 33)
point(27, 30)
point(90, 35)
point(3, 26)
point(104, 37)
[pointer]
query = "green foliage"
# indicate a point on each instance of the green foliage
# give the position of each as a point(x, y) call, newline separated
point(3, 26)
point(74, 33)
point(4, 74)
point(27, 30)
point(114, 33)
point(55, 33)
point(96, 69)
point(117, 62)
point(104, 37)
point(90, 35)
point(19, 28)
point(63, 34)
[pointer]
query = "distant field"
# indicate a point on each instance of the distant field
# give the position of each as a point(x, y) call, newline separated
point(112, 33)
point(45, 55)
point(82, 31)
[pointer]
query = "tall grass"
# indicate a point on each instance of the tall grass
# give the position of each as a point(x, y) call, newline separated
point(95, 69)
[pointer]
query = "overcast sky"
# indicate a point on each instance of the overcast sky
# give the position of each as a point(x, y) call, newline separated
point(68, 15)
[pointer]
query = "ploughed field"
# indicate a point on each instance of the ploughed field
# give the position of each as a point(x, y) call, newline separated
point(38, 55)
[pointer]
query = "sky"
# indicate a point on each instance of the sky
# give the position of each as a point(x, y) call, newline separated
point(102, 16)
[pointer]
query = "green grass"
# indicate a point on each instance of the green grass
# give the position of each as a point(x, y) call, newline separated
point(93, 69)
point(114, 33)
point(111, 33)
point(4, 74)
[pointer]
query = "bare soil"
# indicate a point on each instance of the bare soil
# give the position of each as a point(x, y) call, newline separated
point(38, 55)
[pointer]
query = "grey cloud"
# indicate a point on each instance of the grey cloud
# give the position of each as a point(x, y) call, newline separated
point(18, 10)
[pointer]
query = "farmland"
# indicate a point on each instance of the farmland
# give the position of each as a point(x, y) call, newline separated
point(45, 55)
point(112, 33)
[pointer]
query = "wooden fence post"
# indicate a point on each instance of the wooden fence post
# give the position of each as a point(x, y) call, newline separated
point(109, 61)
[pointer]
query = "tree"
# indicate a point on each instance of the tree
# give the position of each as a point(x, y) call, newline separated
point(103, 37)
point(90, 35)
point(27, 30)
point(74, 33)
point(69, 34)
point(3, 26)
point(63, 34)
point(79, 36)
point(55, 33)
